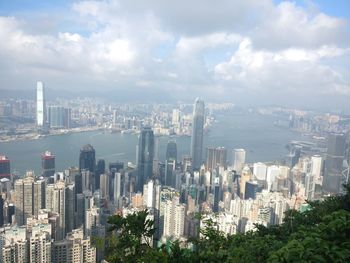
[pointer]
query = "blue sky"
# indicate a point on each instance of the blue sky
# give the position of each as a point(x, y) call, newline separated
point(261, 51)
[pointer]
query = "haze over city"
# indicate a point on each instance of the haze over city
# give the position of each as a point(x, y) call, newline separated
point(247, 52)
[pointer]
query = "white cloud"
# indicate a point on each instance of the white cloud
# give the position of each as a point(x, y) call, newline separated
point(192, 47)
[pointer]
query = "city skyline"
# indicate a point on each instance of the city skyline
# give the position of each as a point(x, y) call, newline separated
point(289, 52)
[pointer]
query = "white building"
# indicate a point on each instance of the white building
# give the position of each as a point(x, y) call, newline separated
point(13, 245)
point(259, 171)
point(40, 104)
point(238, 159)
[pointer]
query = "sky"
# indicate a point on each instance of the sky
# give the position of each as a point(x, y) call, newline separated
point(252, 52)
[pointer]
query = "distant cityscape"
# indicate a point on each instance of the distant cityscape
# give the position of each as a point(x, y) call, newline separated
point(58, 216)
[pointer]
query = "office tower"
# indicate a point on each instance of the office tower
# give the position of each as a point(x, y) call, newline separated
point(115, 167)
point(74, 248)
point(170, 179)
point(316, 166)
point(216, 195)
point(104, 186)
point(117, 188)
point(40, 104)
point(13, 245)
point(56, 202)
point(246, 175)
point(251, 188)
point(79, 210)
point(29, 198)
point(59, 117)
point(70, 207)
point(187, 163)
point(171, 151)
point(145, 157)
point(86, 179)
point(5, 170)
point(238, 160)
point(216, 157)
point(332, 178)
point(87, 158)
point(100, 169)
point(197, 133)
point(48, 164)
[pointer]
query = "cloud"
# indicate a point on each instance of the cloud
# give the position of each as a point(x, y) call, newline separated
point(230, 50)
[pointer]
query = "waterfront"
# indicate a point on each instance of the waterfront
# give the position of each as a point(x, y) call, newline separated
point(256, 133)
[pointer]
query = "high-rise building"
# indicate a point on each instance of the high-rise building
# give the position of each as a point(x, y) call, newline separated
point(259, 171)
point(100, 169)
point(197, 133)
point(59, 117)
point(30, 196)
point(40, 104)
point(174, 218)
point(216, 157)
point(48, 164)
point(40, 242)
point(171, 151)
point(145, 157)
point(332, 178)
point(13, 245)
point(87, 159)
point(56, 202)
point(316, 166)
point(74, 248)
point(5, 170)
point(238, 159)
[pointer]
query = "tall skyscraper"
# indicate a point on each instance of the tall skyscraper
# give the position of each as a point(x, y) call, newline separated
point(87, 159)
point(48, 164)
point(238, 159)
point(5, 171)
point(40, 104)
point(145, 157)
point(197, 133)
point(332, 178)
point(171, 151)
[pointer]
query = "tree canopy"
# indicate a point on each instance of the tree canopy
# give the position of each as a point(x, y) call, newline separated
point(320, 234)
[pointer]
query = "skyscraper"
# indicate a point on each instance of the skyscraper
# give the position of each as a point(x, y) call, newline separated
point(40, 104)
point(48, 164)
point(29, 198)
point(334, 163)
point(216, 157)
point(238, 159)
point(5, 171)
point(87, 158)
point(145, 157)
point(197, 133)
point(171, 151)
point(59, 117)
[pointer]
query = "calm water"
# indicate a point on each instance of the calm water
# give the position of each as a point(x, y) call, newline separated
point(262, 140)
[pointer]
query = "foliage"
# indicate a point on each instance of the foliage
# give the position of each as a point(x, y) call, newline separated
point(321, 234)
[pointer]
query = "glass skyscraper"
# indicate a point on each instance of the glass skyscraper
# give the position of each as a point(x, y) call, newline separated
point(197, 133)
point(145, 157)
